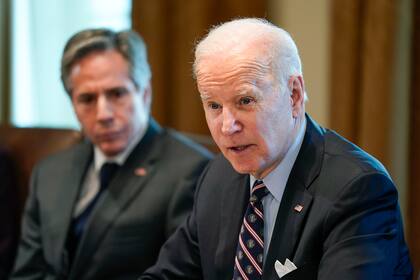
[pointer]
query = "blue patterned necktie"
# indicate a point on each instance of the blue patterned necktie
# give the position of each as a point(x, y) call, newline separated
point(106, 174)
point(250, 250)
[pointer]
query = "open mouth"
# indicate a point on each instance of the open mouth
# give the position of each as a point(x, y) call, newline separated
point(239, 149)
point(108, 136)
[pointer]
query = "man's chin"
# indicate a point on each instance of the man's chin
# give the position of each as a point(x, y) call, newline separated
point(111, 150)
point(242, 168)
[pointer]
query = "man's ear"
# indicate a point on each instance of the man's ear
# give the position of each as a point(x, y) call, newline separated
point(147, 96)
point(297, 96)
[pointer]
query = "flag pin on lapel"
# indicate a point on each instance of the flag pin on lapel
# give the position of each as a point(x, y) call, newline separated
point(140, 171)
point(298, 208)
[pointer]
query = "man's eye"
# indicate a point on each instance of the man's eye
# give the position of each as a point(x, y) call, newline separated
point(86, 99)
point(213, 106)
point(246, 100)
point(117, 92)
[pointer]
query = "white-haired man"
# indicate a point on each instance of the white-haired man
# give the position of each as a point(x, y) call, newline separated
point(287, 199)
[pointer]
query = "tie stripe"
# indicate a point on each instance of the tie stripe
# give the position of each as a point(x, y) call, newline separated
point(260, 186)
point(250, 257)
point(238, 265)
point(258, 212)
point(254, 234)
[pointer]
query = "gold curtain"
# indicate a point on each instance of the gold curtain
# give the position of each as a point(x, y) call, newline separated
point(363, 70)
point(170, 29)
point(363, 35)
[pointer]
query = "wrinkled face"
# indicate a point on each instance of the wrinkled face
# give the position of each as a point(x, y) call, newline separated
point(250, 119)
point(108, 105)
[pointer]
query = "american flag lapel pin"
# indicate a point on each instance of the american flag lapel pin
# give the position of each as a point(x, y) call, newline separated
point(140, 171)
point(298, 208)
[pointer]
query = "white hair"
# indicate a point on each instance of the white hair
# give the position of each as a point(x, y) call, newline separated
point(276, 46)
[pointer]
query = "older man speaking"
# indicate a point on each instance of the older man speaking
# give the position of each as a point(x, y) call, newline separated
point(287, 199)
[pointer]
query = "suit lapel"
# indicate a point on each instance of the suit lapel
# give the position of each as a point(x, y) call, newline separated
point(71, 181)
point(288, 226)
point(231, 215)
point(296, 200)
point(123, 188)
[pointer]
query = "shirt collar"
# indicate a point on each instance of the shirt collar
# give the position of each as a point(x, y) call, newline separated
point(276, 180)
point(100, 158)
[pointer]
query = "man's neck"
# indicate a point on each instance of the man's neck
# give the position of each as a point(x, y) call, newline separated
point(100, 158)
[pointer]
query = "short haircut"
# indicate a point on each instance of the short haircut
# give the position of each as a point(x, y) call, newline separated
point(276, 45)
point(128, 43)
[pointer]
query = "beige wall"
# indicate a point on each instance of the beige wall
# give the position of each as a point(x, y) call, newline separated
point(308, 23)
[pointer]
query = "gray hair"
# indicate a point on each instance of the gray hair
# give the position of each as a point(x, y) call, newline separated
point(128, 43)
point(276, 45)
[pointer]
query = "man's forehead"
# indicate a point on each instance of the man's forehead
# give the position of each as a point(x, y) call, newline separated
point(216, 73)
point(219, 62)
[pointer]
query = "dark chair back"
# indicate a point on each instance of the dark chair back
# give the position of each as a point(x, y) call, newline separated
point(26, 146)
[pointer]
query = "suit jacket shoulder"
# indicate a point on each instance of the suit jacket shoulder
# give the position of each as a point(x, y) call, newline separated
point(178, 147)
point(353, 211)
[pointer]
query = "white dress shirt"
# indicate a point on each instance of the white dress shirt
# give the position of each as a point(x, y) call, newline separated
point(90, 186)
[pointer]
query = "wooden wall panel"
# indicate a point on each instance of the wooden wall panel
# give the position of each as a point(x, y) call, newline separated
point(150, 19)
point(189, 23)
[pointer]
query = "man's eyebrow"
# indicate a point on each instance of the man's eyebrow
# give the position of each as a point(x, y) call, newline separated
point(205, 96)
point(249, 92)
point(116, 88)
point(86, 93)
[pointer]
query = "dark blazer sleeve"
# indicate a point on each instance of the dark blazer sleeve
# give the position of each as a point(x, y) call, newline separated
point(182, 199)
point(179, 257)
point(30, 263)
point(182, 162)
point(363, 232)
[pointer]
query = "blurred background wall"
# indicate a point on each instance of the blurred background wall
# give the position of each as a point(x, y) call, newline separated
point(361, 61)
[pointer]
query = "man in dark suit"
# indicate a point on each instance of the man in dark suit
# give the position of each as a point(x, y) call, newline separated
point(103, 208)
point(9, 203)
point(287, 199)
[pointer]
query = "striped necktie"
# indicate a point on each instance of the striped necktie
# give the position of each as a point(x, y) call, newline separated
point(250, 250)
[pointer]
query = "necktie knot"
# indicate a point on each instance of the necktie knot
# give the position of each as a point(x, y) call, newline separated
point(106, 173)
point(258, 191)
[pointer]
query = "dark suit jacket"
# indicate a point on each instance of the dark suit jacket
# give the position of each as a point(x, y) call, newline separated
point(349, 227)
point(131, 220)
point(9, 220)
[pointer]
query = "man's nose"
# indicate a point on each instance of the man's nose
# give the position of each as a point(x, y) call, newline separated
point(230, 123)
point(104, 109)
